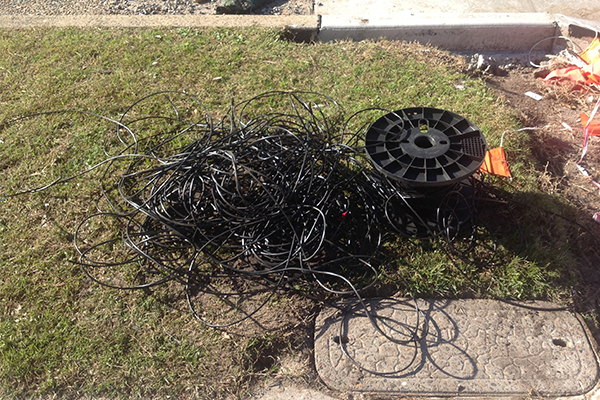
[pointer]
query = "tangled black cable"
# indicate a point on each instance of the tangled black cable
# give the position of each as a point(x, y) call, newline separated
point(275, 193)
point(267, 198)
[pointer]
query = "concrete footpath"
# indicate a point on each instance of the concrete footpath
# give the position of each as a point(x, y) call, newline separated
point(452, 349)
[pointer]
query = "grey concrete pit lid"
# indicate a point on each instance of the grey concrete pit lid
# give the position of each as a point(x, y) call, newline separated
point(455, 348)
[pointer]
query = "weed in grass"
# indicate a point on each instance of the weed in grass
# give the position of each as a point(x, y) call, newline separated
point(261, 354)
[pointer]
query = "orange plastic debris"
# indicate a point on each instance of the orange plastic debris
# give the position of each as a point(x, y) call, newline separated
point(588, 75)
point(594, 127)
point(572, 73)
point(591, 56)
point(495, 163)
point(592, 53)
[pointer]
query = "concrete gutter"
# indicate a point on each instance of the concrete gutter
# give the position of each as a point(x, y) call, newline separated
point(139, 21)
point(303, 28)
point(577, 27)
point(459, 32)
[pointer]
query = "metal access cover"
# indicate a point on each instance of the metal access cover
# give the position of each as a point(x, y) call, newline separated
point(469, 348)
point(424, 146)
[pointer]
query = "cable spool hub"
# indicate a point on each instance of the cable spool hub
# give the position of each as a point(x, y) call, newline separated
point(424, 146)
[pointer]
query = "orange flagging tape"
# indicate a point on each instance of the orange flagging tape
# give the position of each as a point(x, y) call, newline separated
point(594, 127)
point(495, 163)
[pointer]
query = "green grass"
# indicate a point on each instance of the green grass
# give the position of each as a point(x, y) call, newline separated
point(61, 334)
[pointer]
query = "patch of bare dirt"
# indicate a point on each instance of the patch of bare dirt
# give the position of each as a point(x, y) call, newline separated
point(557, 136)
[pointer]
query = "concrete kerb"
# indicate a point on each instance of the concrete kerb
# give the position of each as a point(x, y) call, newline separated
point(458, 32)
point(482, 32)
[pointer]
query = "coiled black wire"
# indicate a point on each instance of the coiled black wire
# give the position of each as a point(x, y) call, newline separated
point(267, 196)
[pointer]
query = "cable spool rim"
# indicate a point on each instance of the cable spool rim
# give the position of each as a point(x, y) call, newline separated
point(425, 147)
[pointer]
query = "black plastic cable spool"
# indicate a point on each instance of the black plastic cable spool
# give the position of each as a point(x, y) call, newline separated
point(424, 146)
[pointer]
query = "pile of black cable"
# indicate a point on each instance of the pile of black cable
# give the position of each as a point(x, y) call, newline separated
point(266, 198)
